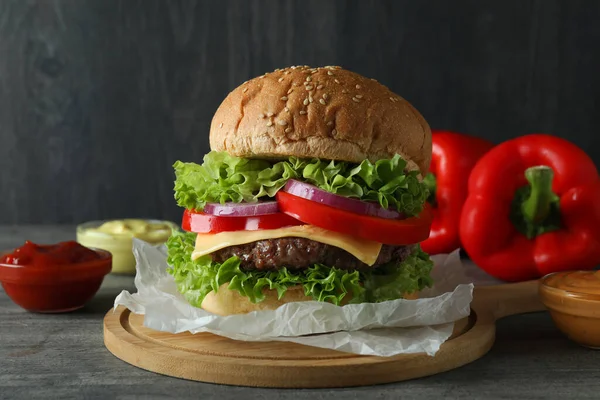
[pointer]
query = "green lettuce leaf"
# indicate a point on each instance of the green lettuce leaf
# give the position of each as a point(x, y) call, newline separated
point(390, 281)
point(195, 279)
point(223, 178)
point(384, 182)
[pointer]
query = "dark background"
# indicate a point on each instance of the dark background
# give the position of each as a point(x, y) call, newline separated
point(98, 98)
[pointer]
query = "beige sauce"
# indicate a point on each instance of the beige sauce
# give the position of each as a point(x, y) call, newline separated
point(573, 300)
point(583, 282)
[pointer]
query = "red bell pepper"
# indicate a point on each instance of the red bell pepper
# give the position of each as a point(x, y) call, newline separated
point(454, 155)
point(533, 208)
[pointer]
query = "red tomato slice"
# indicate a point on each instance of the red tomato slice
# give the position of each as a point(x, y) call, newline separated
point(389, 231)
point(199, 222)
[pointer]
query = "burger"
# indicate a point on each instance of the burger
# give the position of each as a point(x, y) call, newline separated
point(312, 191)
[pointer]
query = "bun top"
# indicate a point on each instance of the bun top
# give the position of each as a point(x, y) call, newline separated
point(329, 113)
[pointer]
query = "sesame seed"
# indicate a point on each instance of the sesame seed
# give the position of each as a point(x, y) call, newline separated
point(392, 99)
point(373, 79)
point(302, 112)
point(284, 98)
point(245, 90)
point(305, 102)
point(270, 123)
point(344, 91)
point(355, 99)
point(287, 72)
point(280, 80)
point(290, 91)
point(330, 123)
point(309, 87)
point(358, 96)
point(358, 86)
point(288, 130)
point(261, 115)
point(333, 132)
point(325, 96)
point(286, 109)
point(308, 79)
point(282, 122)
point(270, 114)
point(336, 81)
point(221, 125)
point(322, 101)
point(320, 87)
point(329, 73)
point(310, 98)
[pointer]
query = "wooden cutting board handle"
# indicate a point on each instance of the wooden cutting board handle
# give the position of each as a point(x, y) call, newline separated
point(508, 299)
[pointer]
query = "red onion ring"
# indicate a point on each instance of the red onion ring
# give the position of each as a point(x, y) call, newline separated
point(311, 192)
point(241, 209)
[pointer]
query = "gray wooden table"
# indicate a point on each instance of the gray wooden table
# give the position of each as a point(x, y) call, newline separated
point(63, 356)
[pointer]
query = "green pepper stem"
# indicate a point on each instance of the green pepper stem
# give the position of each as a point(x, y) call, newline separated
point(431, 183)
point(537, 206)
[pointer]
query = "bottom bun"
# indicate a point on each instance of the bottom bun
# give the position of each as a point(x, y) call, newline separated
point(229, 302)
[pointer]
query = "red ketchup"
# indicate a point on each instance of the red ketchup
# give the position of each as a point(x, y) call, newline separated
point(53, 278)
point(50, 255)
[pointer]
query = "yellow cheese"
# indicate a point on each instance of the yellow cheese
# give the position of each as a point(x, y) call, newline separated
point(365, 250)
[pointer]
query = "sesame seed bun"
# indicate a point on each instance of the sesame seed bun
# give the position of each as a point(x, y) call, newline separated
point(229, 302)
point(329, 113)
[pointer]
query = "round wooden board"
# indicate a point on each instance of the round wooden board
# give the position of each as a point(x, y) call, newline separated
point(210, 358)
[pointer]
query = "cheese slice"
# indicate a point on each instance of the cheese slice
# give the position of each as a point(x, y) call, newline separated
point(365, 250)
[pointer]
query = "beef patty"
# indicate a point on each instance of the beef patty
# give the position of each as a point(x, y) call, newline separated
point(299, 253)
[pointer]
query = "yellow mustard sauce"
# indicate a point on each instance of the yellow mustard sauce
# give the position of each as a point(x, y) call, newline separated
point(117, 236)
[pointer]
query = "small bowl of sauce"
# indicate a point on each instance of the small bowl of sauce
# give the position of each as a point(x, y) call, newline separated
point(116, 236)
point(53, 278)
point(573, 300)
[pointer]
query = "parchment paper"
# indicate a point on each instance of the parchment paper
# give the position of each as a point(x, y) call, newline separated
point(382, 329)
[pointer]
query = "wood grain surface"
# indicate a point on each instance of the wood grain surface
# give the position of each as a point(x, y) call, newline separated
point(98, 98)
point(62, 356)
point(210, 358)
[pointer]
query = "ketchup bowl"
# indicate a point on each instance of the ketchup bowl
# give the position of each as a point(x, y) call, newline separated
point(54, 278)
